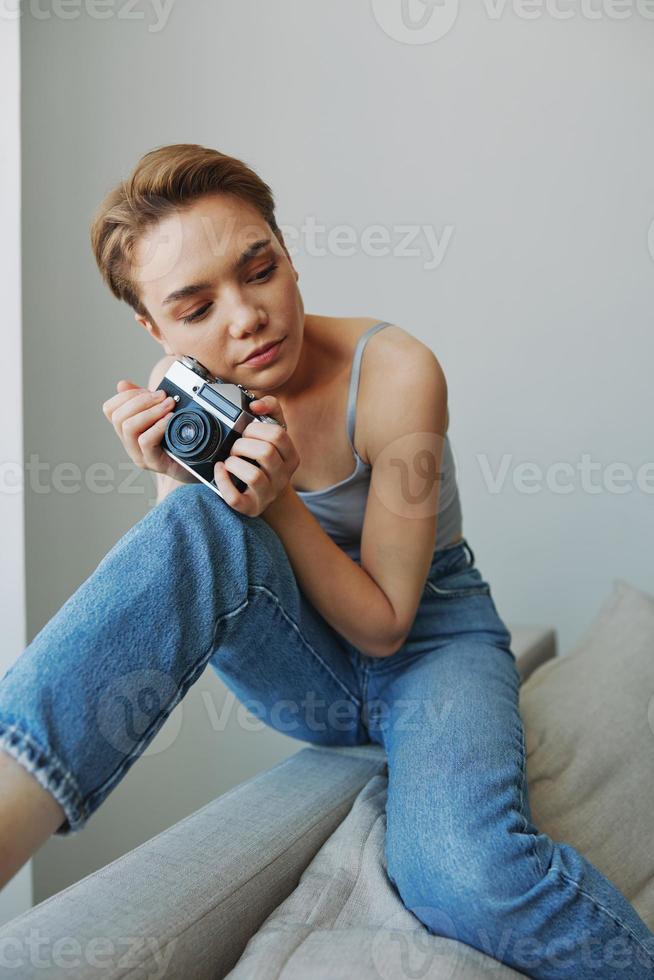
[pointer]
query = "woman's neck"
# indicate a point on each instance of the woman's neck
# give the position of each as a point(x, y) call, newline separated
point(316, 364)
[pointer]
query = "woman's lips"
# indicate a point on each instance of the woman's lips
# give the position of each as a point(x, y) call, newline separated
point(267, 356)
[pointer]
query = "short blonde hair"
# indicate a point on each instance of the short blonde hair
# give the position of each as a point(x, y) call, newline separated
point(164, 180)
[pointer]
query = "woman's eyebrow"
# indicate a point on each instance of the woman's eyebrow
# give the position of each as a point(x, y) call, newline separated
point(196, 287)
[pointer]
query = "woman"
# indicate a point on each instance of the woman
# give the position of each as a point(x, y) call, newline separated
point(345, 602)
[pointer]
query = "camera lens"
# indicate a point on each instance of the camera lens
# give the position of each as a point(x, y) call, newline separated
point(188, 432)
point(193, 435)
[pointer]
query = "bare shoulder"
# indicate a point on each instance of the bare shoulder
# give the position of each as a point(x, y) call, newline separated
point(394, 353)
point(160, 368)
point(395, 341)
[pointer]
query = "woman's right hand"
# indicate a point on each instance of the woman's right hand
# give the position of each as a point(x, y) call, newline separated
point(140, 417)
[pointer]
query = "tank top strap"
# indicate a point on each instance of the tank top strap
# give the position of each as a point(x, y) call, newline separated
point(354, 378)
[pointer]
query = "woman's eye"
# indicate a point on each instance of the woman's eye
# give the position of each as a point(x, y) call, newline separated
point(265, 272)
point(198, 314)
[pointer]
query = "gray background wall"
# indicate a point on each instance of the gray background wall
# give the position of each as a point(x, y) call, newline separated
point(524, 145)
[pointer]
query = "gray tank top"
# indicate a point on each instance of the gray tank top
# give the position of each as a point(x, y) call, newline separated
point(340, 508)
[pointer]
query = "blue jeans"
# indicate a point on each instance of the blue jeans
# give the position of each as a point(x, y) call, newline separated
point(195, 583)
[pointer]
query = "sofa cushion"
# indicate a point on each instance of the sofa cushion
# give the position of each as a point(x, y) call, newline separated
point(589, 728)
point(345, 920)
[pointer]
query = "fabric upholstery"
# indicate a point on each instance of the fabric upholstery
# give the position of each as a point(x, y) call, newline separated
point(589, 724)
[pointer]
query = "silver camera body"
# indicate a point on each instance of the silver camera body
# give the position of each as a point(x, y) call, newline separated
point(209, 416)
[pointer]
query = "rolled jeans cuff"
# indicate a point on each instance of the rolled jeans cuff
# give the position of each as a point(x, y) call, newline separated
point(49, 773)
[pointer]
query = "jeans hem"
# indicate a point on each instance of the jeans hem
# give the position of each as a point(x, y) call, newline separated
point(48, 771)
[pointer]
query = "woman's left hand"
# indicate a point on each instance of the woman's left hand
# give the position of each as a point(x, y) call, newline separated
point(272, 448)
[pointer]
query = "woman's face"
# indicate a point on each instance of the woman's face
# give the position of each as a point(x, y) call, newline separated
point(218, 284)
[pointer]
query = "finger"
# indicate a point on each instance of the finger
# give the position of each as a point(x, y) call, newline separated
point(136, 402)
point(254, 476)
point(265, 453)
point(269, 405)
point(116, 401)
point(231, 495)
point(149, 441)
point(125, 389)
point(135, 425)
point(273, 434)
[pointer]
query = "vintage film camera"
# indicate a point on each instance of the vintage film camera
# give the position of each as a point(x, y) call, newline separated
point(209, 416)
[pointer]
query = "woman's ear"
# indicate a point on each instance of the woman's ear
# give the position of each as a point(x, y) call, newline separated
point(154, 332)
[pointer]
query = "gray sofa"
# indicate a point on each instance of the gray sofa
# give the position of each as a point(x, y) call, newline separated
point(188, 902)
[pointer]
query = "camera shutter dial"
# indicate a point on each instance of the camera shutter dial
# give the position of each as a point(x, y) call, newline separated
point(194, 365)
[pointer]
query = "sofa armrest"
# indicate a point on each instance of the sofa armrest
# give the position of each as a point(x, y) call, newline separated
point(186, 902)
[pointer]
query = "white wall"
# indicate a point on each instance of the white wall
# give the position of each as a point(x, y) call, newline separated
point(528, 142)
point(16, 896)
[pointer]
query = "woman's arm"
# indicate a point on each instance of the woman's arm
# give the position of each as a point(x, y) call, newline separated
point(374, 605)
point(343, 593)
point(326, 574)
